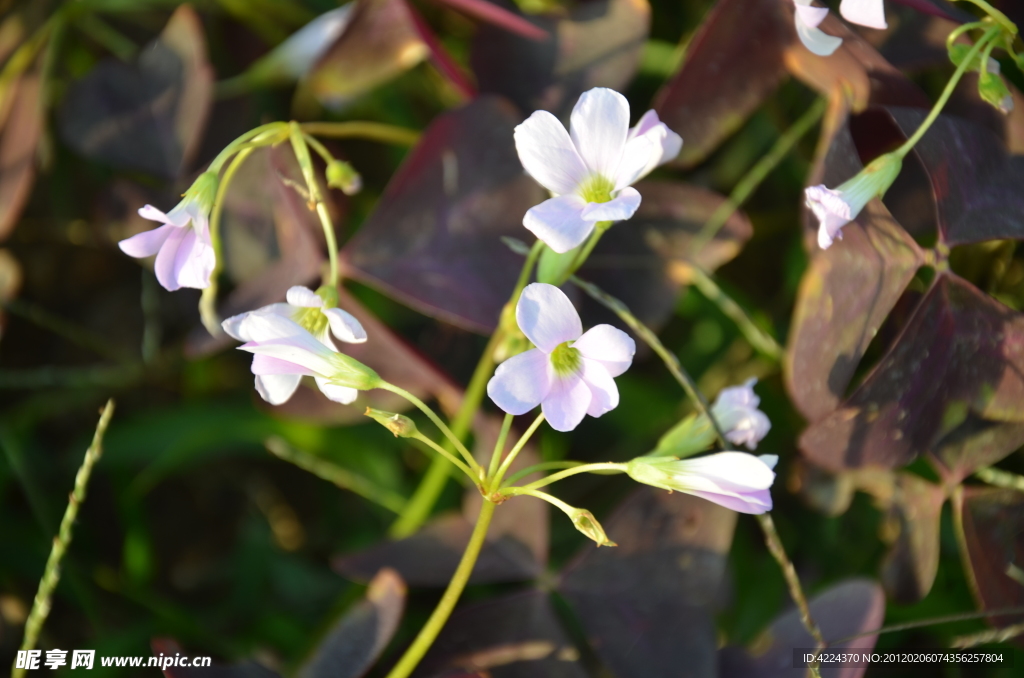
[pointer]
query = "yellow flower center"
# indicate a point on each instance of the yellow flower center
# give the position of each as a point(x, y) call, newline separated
point(565, 359)
point(597, 189)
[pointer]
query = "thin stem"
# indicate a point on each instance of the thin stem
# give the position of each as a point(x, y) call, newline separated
point(933, 621)
point(437, 422)
point(208, 300)
point(496, 479)
point(444, 608)
point(989, 636)
point(645, 333)
point(588, 247)
point(447, 455)
point(499, 446)
point(585, 468)
point(333, 473)
point(320, 149)
point(758, 338)
point(960, 30)
point(543, 466)
point(996, 14)
point(909, 144)
point(51, 575)
point(529, 492)
point(758, 173)
point(238, 144)
point(789, 572)
point(1000, 478)
point(298, 140)
point(423, 499)
point(374, 131)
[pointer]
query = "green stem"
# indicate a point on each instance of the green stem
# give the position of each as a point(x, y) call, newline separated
point(529, 492)
point(758, 173)
point(333, 473)
point(447, 455)
point(651, 339)
point(437, 422)
point(499, 446)
point(778, 551)
point(320, 149)
point(496, 478)
point(758, 338)
point(543, 466)
point(1000, 478)
point(51, 575)
point(298, 140)
point(444, 608)
point(208, 299)
point(237, 145)
point(418, 509)
point(585, 468)
point(588, 247)
point(909, 144)
point(960, 30)
point(374, 131)
point(996, 14)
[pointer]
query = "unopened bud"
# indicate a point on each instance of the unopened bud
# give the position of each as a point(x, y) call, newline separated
point(399, 424)
point(690, 436)
point(343, 176)
point(993, 90)
point(586, 523)
point(352, 373)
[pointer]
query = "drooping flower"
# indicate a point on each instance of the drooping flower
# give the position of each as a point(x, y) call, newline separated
point(184, 253)
point(807, 18)
point(590, 169)
point(735, 480)
point(294, 339)
point(837, 207)
point(736, 412)
point(870, 13)
point(569, 374)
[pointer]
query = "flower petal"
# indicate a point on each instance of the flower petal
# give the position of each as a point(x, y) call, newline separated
point(640, 156)
point(832, 212)
point(756, 502)
point(548, 154)
point(267, 324)
point(194, 262)
point(303, 296)
point(277, 388)
point(604, 393)
point(621, 207)
point(870, 13)
point(609, 345)
point(814, 39)
point(345, 326)
point(598, 125)
point(147, 243)
point(235, 326)
point(166, 259)
point(264, 365)
point(559, 222)
point(520, 383)
point(567, 402)
point(547, 317)
point(301, 349)
point(339, 394)
point(729, 471)
point(153, 214)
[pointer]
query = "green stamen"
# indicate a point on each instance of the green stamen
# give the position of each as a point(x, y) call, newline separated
point(565, 359)
point(597, 189)
point(312, 320)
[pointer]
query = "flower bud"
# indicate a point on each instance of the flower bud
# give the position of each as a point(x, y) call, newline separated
point(399, 424)
point(837, 207)
point(735, 410)
point(203, 191)
point(352, 373)
point(343, 176)
point(735, 480)
point(993, 90)
point(586, 523)
point(690, 436)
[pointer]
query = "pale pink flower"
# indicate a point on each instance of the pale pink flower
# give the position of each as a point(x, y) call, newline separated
point(737, 415)
point(735, 480)
point(870, 13)
point(807, 19)
point(569, 374)
point(184, 252)
point(293, 339)
point(590, 169)
point(837, 207)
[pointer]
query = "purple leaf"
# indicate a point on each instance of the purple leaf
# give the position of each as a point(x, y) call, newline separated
point(593, 44)
point(647, 606)
point(961, 354)
point(492, 13)
point(909, 568)
point(21, 129)
point(433, 241)
point(939, 8)
point(517, 636)
point(993, 523)
point(846, 609)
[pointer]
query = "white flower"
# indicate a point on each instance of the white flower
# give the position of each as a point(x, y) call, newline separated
point(735, 480)
point(736, 412)
point(870, 13)
point(837, 207)
point(184, 253)
point(294, 339)
point(591, 169)
point(570, 373)
point(807, 18)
